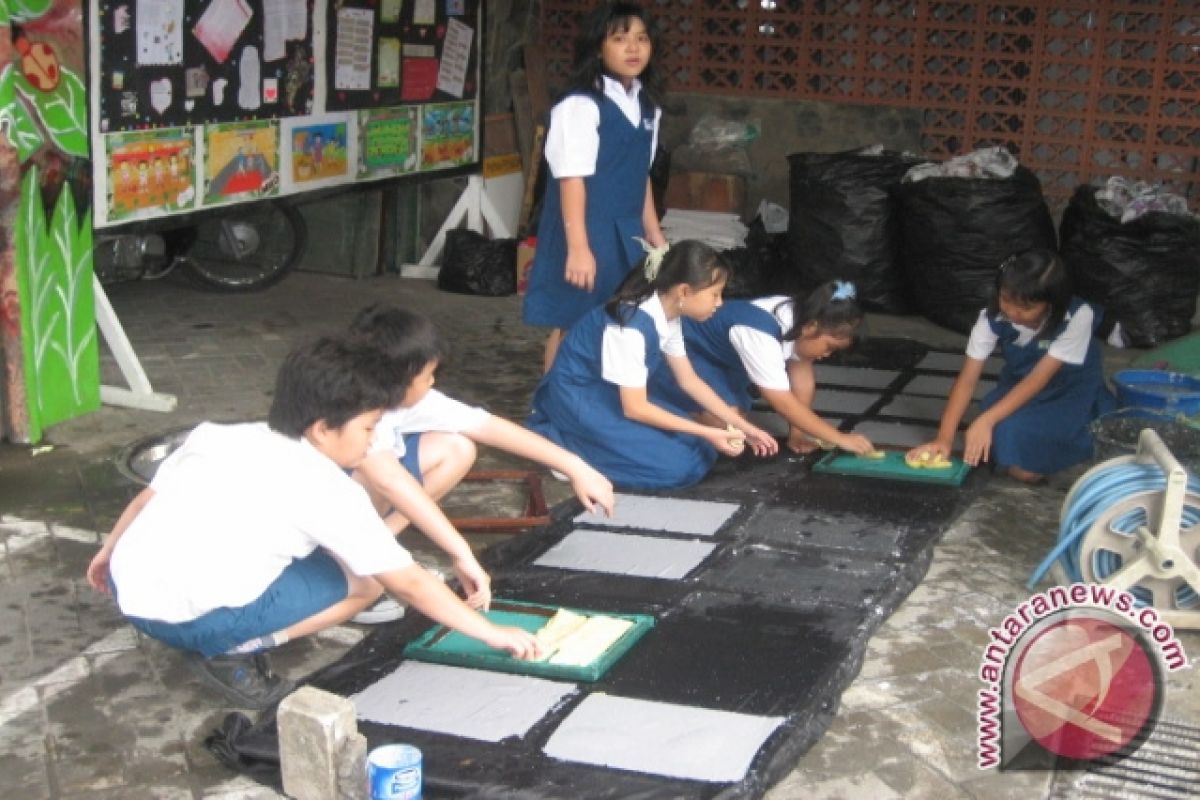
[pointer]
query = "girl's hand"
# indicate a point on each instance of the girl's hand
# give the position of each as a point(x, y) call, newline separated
point(593, 490)
point(517, 642)
point(978, 442)
point(855, 443)
point(761, 442)
point(581, 269)
point(475, 582)
point(727, 444)
point(934, 448)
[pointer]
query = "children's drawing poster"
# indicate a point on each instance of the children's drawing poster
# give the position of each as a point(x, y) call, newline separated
point(241, 161)
point(447, 135)
point(388, 52)
point(169, 63)
point(272, 99)
point(318, 151)
point(388, 141)
point(150, 172)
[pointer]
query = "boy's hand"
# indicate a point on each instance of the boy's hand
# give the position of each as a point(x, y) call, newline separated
point(97, 571)
point(517, 642)
point(475, 582)
point(593, 489)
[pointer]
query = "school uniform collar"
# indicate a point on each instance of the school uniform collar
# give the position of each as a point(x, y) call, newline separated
point(654, 307)
point(614, 87)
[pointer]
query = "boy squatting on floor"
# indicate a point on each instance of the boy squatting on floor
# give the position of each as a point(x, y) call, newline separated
point(251, 535)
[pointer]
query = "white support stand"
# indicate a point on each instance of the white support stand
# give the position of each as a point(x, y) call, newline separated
point(139, 394)
point(476, 207)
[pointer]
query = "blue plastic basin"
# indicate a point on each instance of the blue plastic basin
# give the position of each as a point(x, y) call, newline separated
point(1160, 389)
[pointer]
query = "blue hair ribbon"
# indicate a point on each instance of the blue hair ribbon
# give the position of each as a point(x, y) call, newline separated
point(844, 290)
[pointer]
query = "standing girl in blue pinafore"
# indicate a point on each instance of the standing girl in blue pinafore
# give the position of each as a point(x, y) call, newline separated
point(1037, 419)
point(771, 343)
point(602, 138)
point(594, 401)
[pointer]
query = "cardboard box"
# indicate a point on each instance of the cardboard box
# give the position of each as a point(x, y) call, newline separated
point(525, 251)
point(706, 191)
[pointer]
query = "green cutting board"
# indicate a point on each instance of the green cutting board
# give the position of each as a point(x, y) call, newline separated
point(891, 466)
point(441, 645)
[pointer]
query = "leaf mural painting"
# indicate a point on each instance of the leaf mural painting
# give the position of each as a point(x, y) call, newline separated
point(54, 278)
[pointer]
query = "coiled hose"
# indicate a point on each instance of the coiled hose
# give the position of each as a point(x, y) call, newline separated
point(1095, 494)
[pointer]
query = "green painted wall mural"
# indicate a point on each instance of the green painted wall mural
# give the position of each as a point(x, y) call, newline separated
point(48, 336)
point(54, 265)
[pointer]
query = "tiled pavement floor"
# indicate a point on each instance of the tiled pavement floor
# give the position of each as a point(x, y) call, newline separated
point(87, 709)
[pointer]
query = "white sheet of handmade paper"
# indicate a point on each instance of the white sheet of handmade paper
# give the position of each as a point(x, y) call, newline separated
point(860, 377)
point(626, 554)
point(697, 517)
point(677, 741)
point(472, 703)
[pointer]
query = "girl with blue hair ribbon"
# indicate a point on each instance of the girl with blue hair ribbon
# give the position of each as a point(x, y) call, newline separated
point(594, 400)
point(771, 343)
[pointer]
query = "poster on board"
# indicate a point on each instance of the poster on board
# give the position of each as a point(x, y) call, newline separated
point(241, 161)
point(447, 135)
point(279, 97)
point(150, 172)
point(318, 151)
point(388, 141)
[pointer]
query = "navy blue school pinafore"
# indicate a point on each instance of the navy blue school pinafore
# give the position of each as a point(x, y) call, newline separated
point(1051, 432)
point(615, 200)
point(577, 409)
point(713, 356)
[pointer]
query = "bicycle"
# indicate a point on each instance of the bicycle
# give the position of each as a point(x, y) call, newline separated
point(239, 248)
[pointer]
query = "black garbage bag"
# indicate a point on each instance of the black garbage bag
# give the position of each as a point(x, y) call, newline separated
point(475, 264)
point(760, 267)
point(1145, 272)
point(843, 223)
point(954, 234)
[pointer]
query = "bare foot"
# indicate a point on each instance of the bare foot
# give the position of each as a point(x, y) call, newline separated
point(801, 443)
point(1025, 476)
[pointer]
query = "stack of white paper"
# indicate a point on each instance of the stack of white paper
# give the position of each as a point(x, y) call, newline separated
point(720, 230)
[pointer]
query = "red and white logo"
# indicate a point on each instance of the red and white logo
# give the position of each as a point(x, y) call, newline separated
point(1084, 687)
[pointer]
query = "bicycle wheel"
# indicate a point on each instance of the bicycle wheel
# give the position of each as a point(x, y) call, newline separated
point(246, 247)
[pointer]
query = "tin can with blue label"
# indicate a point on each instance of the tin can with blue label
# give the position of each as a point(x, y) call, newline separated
point(394, 772)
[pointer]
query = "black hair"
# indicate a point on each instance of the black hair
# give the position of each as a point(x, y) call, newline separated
point(602, 21)
point(332, 379)
point(691, 262)
point(407, 338)
point(1036, 275)
point(832, 306)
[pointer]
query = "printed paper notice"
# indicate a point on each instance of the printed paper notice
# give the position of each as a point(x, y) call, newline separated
point(352, 69)
point(159, 32)
point(424, 12)
point(283, 21)
point(456, 55)
point(221, 25)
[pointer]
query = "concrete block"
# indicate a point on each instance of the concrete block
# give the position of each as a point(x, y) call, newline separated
point(313, 725)
point(352, 769)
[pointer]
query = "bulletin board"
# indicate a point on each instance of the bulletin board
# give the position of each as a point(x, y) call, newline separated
point(201, 103)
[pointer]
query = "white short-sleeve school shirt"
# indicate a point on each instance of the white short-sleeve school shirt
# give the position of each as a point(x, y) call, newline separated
point(1069, 347)
point(433, 412)
point(623, 350)
point(765, 357)
point(232, 507)
point(573, 141)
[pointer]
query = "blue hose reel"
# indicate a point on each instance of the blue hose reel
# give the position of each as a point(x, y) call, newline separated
point(1131, 523)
